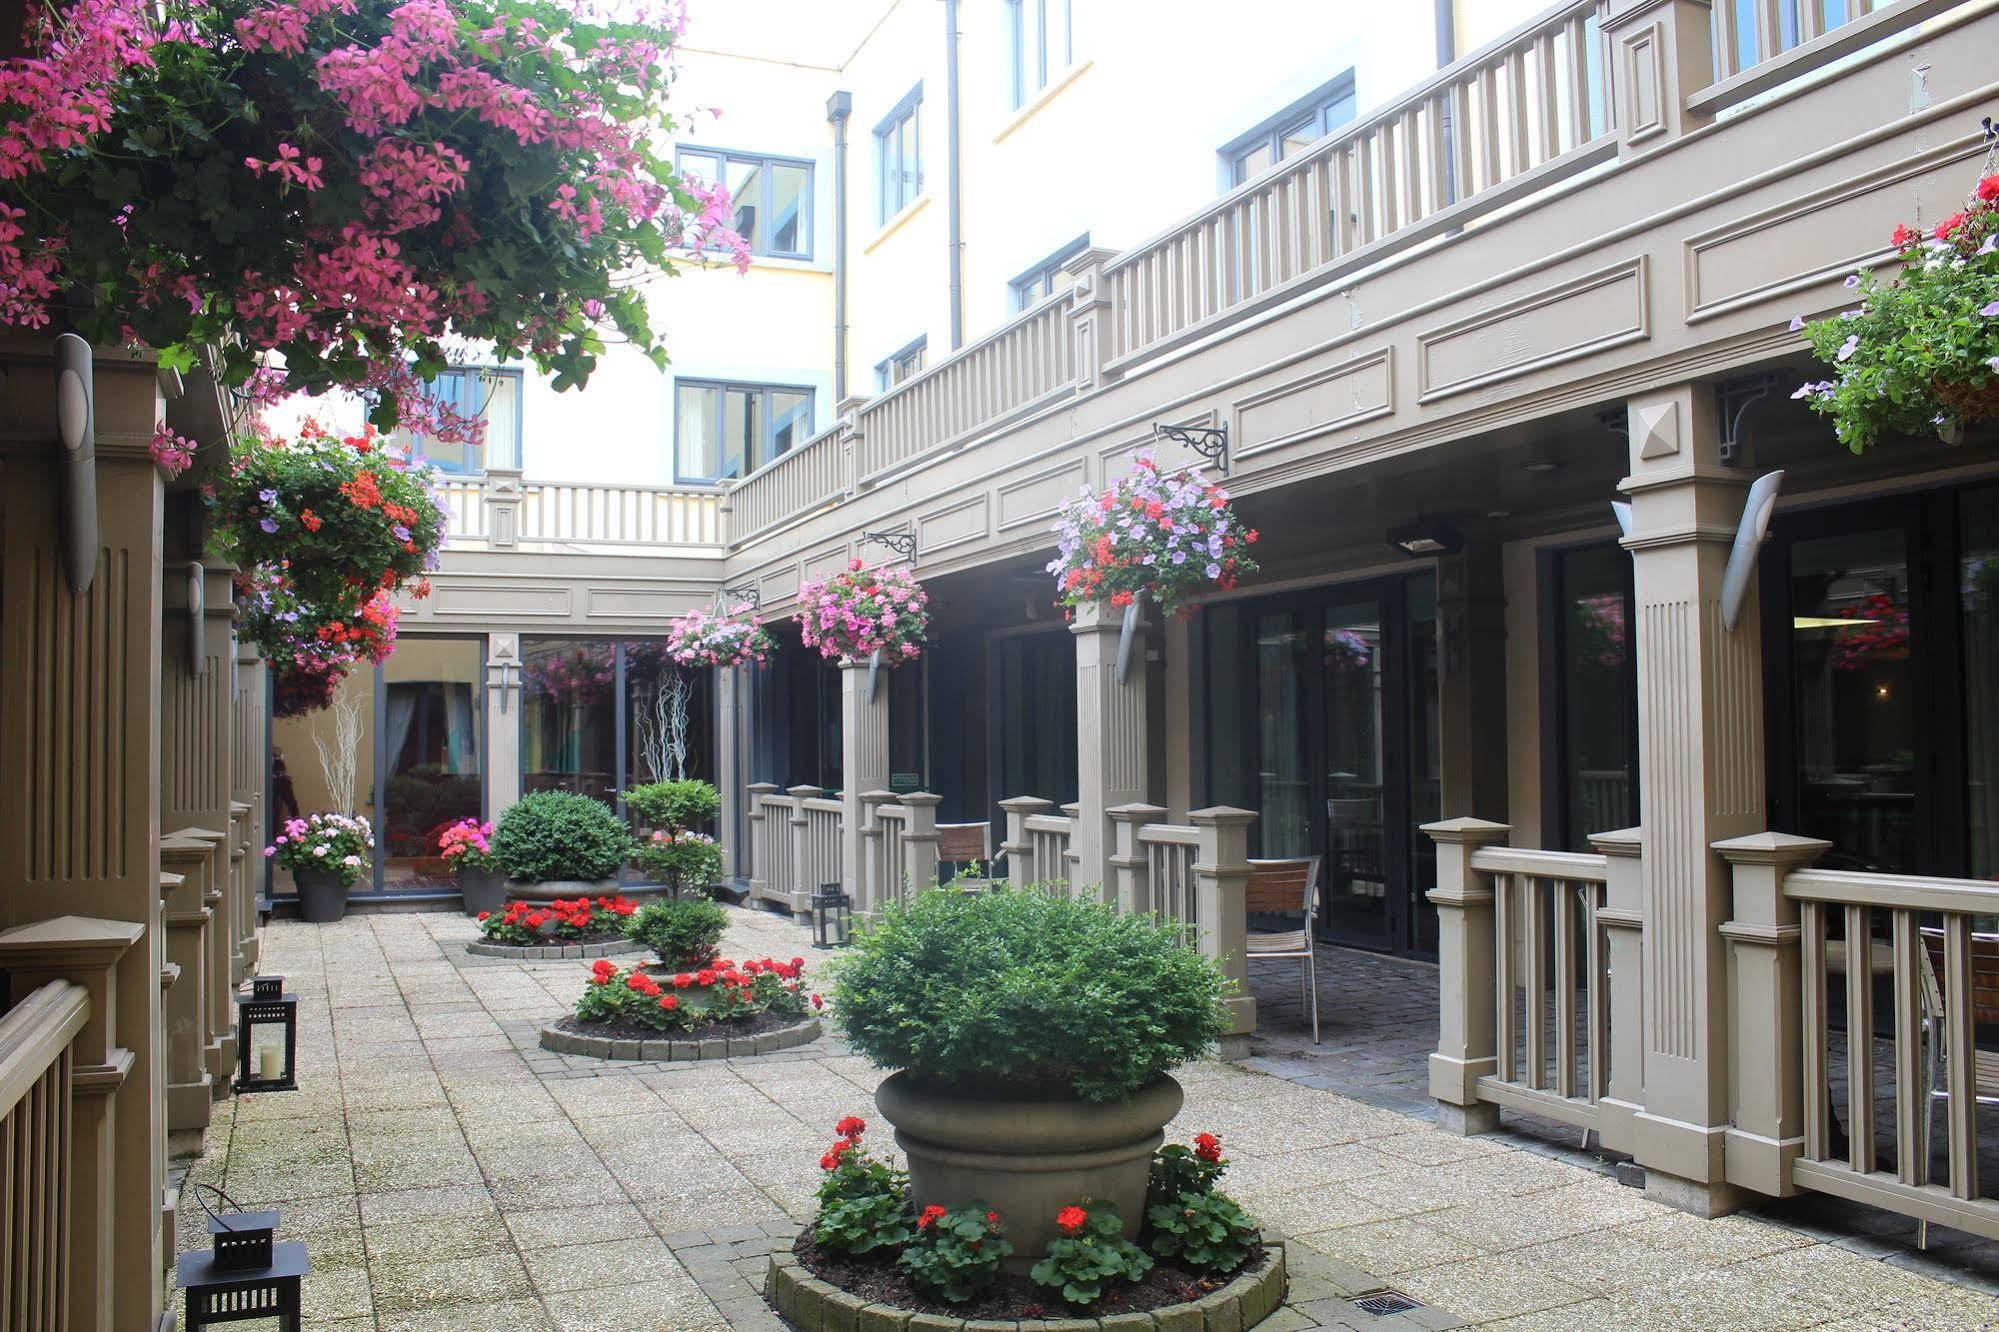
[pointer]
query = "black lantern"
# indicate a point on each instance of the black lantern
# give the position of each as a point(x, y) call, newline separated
point(243, 1275)
point(272, 1064)
point(832, 916)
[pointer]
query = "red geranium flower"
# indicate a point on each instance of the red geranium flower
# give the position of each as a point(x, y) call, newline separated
point(1207, 1146)
point(992, 1219)
point(853, 1126)
point(817, 1002)
point(669, 1002)
point(1071, 1219)
point(1988, 189)
point(931, 1215)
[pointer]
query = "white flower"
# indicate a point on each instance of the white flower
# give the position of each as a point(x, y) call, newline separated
point(319, 850)
point(351, 860)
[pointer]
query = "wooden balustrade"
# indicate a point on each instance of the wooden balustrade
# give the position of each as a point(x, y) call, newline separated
point(1797, 936)
point(1037, 843)
point(1760, 45)
point(501, 511)
point(1526, 1007)
point(1025, 365)
point(60, 1069)
point(899, 846)
point(811, 476)
point(794, 844)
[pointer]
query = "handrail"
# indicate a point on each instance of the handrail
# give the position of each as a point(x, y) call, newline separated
point(33, 1035)
point(1917, 892)
point(1569, 866)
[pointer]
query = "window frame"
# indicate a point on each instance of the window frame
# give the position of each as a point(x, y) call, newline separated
point(763, 389)
point(512, 372)
point(1270, 132)
point(884, 368)
point(1046, 68)
point(765, 181)
point(909, 112)
point(1041, 275)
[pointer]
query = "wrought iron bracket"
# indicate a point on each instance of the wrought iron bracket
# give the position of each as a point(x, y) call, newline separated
point(1211, 442)
point(1735, 397)
point(749, 592)
point(898, 543)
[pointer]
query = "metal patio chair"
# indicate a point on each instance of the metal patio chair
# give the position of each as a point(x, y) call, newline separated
point(1288, 888)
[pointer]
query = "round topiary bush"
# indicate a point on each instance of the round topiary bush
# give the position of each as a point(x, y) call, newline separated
point(682, 933)
point(1018, 993)
point(558, 835)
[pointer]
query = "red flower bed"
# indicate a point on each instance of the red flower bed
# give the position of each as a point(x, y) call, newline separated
point(568, 920)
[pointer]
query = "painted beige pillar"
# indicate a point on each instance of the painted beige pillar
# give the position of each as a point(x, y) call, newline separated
point(249, 775)
point(1018, 848)
point(80, 754)
point(1700, 759)
point(919, 841)
point(1471, 674)
point(1111, 742)
point(1090, 317)
point(730, 686)
point(91, 953)
point(1623, 921)
point(503, 496)
point(763, 841)
point(863, 768)
point(504, 697)
point(1766, 1076)
point(1221, 884)
point(1130, 865)
point(1661, 53)
point(1467, 1022)
point(187, 919)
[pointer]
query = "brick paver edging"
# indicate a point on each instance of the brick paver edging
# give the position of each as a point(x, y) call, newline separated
point(546, 952)
point(811, 1303)
point(666, 1051)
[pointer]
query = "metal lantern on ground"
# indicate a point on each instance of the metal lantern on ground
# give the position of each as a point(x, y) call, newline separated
point(269, 1063)
point(832, 916)
point(244, 1275)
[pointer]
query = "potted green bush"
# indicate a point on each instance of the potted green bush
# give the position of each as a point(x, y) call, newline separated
point(559, 844)
point(681, 934)
point(1031, 1037)
point(327, 854)
point(672, 849)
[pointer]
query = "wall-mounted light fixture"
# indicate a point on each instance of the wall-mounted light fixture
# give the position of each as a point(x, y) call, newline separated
point(1426, 536)
point(503, 673)
point(76, 441)
point(1749, 535)
point(197, 611)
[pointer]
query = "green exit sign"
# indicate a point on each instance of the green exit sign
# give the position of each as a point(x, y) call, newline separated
point(902, 783)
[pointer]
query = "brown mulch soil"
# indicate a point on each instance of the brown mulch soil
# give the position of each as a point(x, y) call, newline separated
point(1011, 1297)
point(632, 1031)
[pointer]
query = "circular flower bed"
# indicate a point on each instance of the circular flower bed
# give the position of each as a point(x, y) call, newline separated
point(565, 927)
point(726, 1008)
point(869, 1246)
point(724, 638)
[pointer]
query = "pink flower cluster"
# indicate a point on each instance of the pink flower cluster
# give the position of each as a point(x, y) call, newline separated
point(725, 638)
point(172, 454)
point(859, 612)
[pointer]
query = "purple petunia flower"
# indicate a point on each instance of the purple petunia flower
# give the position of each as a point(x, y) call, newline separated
point(1797, 323)
point(1991, 311)
point(268, 496)
point(269, 524)
point(1853, 280)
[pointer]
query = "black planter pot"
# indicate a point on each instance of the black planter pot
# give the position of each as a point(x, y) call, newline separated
point(322, 897)
point(483, 890)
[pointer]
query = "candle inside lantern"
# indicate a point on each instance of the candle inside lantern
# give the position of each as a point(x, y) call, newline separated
point(270, 1063)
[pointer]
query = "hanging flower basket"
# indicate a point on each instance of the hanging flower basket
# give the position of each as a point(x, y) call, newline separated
point(1920, 353)
point(726, 637)
point(1169, 536)
point(859, 612)
point(347, 183)
point(576, 676)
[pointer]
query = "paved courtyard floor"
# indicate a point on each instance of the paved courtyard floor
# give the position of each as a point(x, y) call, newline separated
point(448, 1174)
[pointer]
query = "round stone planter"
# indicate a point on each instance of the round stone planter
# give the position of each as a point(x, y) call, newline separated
point(1252, 1296)
point(550, 889)
point(483, 890)
point(1028, 1159)
point(322, 897)
point(679, 1049)
point(554, 949)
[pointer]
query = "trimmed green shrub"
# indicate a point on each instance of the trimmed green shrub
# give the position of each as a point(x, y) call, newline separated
point(553, 835)
point(682, 933)
point(673, 806)
point(1022, 993)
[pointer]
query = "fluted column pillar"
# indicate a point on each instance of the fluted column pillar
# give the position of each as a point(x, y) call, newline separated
point(863, 768)
point(1700, 760)
point(1111, 743)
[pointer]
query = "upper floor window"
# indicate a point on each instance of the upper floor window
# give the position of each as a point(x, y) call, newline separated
point(1040, 43)
point(724, 430)
point(487, 391)
point(772, 197)
point(907, 362)
point(1045, 278)
point(1290, 131)
point(899, 156)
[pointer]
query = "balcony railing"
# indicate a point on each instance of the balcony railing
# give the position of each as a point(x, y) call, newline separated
point(500, 511)
point(813, 474)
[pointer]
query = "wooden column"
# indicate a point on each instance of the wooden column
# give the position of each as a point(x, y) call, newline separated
point(80, 750)
point(1623, 920)
point(1111, 742)
point(1700, 762)
point(187, 919)
point(1221, 882)
point(863, 767)
point(919, 841)
point(1661, 53)
point(251, 778)
point(504, 697)
point(1467, 1047)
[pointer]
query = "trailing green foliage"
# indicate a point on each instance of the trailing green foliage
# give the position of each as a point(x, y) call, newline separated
point(1027, 993)
point(556, 835)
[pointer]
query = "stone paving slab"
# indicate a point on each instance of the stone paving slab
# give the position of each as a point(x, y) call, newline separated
point(448, 1173)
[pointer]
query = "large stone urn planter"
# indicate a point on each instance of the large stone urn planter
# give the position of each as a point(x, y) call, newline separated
point(1028, 1159)
point(483, 890)
point(322, 897)
point(550, 889)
